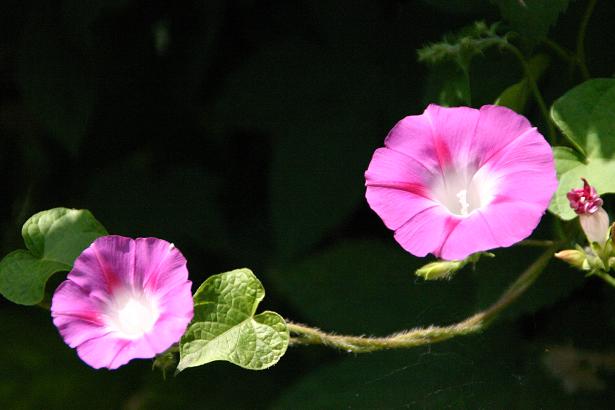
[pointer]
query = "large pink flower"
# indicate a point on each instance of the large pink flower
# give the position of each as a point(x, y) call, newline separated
point(455, 181)
point(124, 299)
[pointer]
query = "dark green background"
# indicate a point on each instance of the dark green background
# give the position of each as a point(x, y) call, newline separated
point(240, 131)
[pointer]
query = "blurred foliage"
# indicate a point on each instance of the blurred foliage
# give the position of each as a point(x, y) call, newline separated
point(240, 131)
point(532, 18)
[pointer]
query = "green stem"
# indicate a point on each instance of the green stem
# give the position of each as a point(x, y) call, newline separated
point(605, 277)
point(562, 52)
point(537, 243)
point(535, 91)
point(45, 304)
point(305, 335)
point(580, 53)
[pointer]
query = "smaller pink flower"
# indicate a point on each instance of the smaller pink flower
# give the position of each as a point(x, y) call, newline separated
point(593, 218)
point(124, 299)
point(584, 200)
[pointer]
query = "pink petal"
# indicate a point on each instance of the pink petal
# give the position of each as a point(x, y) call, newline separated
point(524, 170)
point(124, 299)
point(395, 207)
point(451, 128)
point(472, 234)
point(159, 264)
point(106, 264)
point(167, 329)
point(177, 302)
point(393, 199)
point(112, 352)
point(426, 231)
point(389, 167)
point(413, 137)
point(497, 128)
point(76, 316)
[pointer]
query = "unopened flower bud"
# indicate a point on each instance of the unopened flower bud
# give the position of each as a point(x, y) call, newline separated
point(440, 269)
point(596, 226)
point(588, 205)
point(573, 257)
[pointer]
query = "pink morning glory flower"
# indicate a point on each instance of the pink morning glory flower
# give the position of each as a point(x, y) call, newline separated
point(456, 181)
point(124, 299)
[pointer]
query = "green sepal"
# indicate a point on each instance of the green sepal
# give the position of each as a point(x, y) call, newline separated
point(443, 269)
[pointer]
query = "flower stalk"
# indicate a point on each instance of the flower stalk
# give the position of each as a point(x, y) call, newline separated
point(580, 51)
point(305, 335)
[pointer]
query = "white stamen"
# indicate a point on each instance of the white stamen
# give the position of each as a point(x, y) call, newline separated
point(462, 190)
point(463, 201)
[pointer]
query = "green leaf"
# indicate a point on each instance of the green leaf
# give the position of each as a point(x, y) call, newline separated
point(532, 18)
point(517, 95)
point(225, 327)
point(598, 172)
point(585, 116)
point(565, 160)
point(53, 238)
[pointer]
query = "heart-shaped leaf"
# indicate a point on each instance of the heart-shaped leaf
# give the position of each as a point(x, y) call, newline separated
point(225, 327)
point(585, 116)
point(53, 238)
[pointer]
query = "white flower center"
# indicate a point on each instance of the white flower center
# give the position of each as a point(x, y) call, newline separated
point(461, 191)
point(132, 315)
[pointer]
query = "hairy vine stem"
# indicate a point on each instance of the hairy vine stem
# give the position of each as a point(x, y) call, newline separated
point(535, 90)
point(305, 335)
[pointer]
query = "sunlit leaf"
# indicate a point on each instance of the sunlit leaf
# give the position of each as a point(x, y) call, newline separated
point(225, 327)
point(566, 159)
